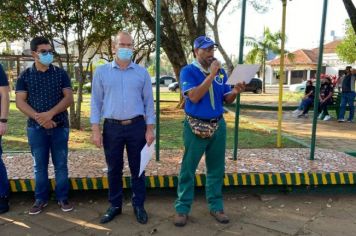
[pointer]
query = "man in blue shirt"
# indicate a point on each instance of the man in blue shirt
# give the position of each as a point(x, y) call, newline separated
point(4, 111)
point(122, 95)
point(348, 94)
point(205, 90)
point(43, 93)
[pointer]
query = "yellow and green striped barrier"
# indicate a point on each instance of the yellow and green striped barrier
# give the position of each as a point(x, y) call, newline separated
point(234, 179)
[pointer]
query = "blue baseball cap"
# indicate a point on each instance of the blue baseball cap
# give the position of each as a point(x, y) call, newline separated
point(204, 42)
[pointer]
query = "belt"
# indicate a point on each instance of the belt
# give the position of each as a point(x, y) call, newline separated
point(124, 122)
point(213, 120)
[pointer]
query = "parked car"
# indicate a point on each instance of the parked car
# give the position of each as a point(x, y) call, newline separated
point(166, 80)
point(173, 86)
point(87, 87)
point(298, 87)
point(255, 86)
point(153, 80)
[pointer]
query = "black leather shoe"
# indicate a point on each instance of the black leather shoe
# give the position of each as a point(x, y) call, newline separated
point(110, 214)
point(141, 215)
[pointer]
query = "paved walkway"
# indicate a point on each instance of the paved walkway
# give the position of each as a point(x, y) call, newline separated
point(330, 134)
point(293, 214)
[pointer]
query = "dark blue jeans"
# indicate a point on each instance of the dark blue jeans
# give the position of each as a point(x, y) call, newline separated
point(306, 104)
point(347, 98)
point(4, 182)
point(115, 138)
point(43, 142)
point(323, 107)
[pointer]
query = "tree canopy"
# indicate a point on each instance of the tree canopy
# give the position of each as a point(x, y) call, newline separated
point(346, 50)
point(260, 48)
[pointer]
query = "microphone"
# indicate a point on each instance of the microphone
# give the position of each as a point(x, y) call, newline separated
point(220, 72)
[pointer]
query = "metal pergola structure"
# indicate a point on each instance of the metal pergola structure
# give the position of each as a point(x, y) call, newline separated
point(240, 61)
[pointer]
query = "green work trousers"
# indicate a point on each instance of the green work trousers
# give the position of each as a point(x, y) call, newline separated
point(195, 147)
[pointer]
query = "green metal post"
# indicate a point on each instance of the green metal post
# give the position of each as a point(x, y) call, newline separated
point(158, 72)
point(241, 58)
point(317, 86)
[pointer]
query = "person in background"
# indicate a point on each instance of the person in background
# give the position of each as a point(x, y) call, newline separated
point(325, 98)
point(4, 111)
point(348, 94)
point(307, 101)
point(339, 82)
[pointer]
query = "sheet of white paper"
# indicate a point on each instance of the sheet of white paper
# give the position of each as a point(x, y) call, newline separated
point(243, 73)
point(146, 154)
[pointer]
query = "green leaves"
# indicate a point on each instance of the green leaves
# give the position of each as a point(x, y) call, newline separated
point(346, 50)
point(260, 47)
point(14, 20)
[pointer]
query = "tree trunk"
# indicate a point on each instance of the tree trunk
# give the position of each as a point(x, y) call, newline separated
point(227, 59)
point(76, 122)
point(264, 74)
point(177, 69)
point(170, 40)
point(214, 27)
point(195, 29)
point(351, 11)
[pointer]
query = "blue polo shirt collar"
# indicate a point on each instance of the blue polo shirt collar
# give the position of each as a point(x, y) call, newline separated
point(115, 65)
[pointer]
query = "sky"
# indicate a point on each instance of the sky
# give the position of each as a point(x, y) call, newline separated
point(303, 23)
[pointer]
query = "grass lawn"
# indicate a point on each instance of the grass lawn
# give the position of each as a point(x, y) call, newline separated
point(168, 96)
point(171, 130)
point(287, 96)
point(249, 135)
point(293, 97)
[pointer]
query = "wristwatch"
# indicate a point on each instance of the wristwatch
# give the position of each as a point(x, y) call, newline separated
point(2, 120)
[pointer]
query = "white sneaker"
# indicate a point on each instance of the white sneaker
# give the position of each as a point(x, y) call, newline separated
point(341, 120)
point(327, 117)
point(302, 115)
point(296, 111)
point(320, 115)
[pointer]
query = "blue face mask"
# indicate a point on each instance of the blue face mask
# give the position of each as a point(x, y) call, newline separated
point(124, 54)
point(46, 59)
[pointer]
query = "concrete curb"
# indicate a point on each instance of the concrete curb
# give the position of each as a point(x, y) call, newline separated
point(230, 179)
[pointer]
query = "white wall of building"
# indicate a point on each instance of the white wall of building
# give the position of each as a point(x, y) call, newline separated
point(16, 47)
point(332, 70)
point(270, 79)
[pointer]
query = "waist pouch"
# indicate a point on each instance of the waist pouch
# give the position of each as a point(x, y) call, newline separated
point(202, 128)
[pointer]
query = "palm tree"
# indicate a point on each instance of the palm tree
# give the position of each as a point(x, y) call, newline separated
point(260, 48)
